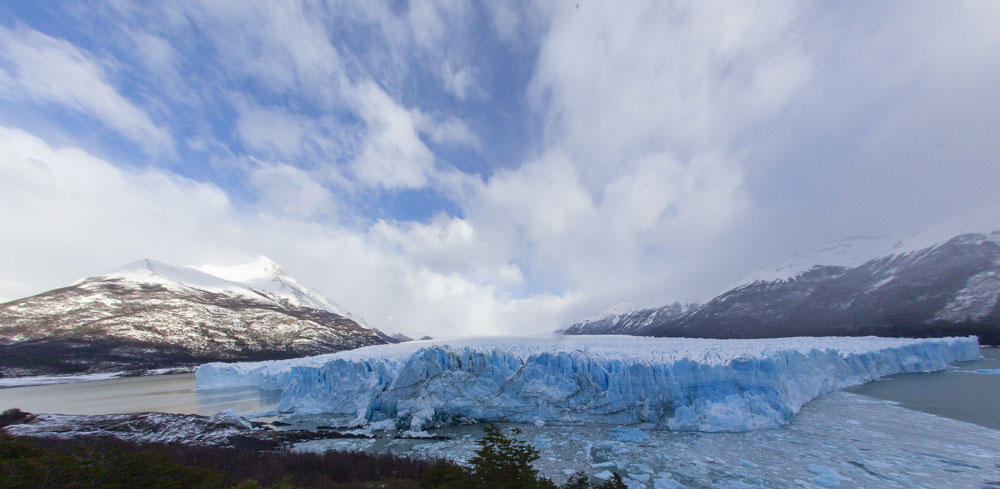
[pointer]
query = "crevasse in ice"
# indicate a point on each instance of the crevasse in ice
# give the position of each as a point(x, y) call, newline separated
point(674, 383)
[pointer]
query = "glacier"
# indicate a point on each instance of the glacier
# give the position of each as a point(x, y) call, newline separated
point(667, 383)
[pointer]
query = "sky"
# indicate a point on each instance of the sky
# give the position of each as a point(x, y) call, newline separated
point(476, 168)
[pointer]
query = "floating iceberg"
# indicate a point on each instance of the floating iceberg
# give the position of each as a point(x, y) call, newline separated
point(674, 383)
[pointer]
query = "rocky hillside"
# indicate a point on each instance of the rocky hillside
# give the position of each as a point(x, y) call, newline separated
point(914, 287)
point(151, 315)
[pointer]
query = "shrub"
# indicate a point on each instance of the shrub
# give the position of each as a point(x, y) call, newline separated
point(502, 462)
point(505, 463)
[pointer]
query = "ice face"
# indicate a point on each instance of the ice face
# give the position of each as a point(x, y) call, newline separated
point(675, 383)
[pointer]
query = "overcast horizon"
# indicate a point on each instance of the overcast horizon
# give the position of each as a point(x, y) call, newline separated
point(491, 168)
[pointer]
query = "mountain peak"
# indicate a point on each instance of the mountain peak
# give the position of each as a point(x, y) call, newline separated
point(854, 251)
point(264, 275)
point(150, 271)
point(260, 269)
point(143, 264)
point(259, 279)
point(620, 309)
point(150, 306)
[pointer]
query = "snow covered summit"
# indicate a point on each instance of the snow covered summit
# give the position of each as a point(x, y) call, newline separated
point(676, 383)
point(150, 314)
point(856, 251)
point(266, 277)
point(940, 281)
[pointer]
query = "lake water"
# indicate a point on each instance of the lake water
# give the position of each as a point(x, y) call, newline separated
point(959, 393)
point(908, 431)
point(161, 393)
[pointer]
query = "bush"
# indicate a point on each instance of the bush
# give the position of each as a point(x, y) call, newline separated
point(22, 465)
point(502, 462)
point(112, 463)
point(505, 463)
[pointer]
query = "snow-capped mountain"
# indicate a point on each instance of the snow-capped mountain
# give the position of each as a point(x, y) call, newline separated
point(855, 251)
point(628, 318)
point(266, 277)
point(152, 315)
point(928, 283)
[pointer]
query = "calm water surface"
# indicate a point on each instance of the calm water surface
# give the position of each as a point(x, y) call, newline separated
point(161, 393)
point(957, 393)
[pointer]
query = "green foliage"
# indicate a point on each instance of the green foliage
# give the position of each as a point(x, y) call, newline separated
point(24, 466)
point(108, 463)
point(443, 475)
point(14, 416)
point(502, 462)
point(582, 482)
point(577, 482)
point(505, 463)
point(616, 482)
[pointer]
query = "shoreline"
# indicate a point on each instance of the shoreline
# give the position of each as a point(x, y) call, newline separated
point(36, 380)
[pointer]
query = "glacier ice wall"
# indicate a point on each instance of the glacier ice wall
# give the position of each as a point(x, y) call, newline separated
point(675, 383)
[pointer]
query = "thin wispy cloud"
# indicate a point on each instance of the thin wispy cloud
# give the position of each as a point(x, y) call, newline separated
point(46, 70)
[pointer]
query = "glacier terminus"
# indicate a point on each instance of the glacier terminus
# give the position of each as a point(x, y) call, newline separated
point(681, 384)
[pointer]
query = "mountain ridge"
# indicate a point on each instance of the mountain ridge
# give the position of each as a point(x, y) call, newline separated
point(150, 315)
point(923, 286)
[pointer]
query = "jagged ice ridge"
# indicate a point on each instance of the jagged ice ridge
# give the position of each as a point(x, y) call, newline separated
point(675, 383)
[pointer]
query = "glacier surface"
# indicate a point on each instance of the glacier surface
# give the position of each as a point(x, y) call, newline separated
point(674, 383)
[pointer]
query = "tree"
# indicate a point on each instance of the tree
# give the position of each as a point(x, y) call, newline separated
point(615, 482)
point(505, 463)
point(577, 482)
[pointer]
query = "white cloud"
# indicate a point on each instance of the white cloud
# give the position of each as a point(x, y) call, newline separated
point(284, 45)
point(426, 33)
point(450, 130)
point(431, 21)
point(931, 148)
point(71, 215)
point(616, 81)
point(460, 83)
point(667, 131)
point(46, 69)
point(639, 180)
point(156, 52)
point(287, 190)
point(269, 129)
point(449, 245)
point(504, 19)
point(392, 156)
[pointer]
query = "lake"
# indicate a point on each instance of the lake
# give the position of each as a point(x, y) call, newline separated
point(958, 393)
point(162, 393)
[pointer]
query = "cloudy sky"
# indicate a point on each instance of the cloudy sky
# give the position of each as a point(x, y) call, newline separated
point(485, 167)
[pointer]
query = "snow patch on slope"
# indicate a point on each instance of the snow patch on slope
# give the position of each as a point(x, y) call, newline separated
point(157, 273)
point(267, 277)
point(617, 311)
point(260, 280)
point(975, 301)
point(676, 383)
